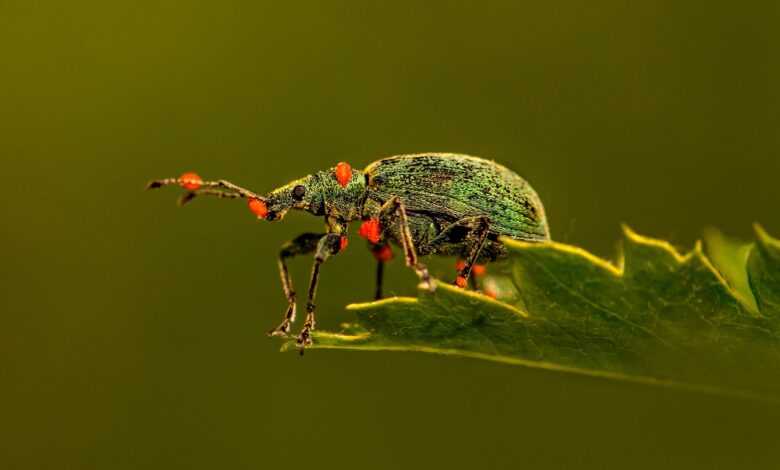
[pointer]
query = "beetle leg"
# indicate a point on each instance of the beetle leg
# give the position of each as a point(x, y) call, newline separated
point(380, 276)
point(478, 237)
point(327, 245)
point(478, 228)
point(477, 270)
point(382, 253)
point(302, 244)
point(393, 214)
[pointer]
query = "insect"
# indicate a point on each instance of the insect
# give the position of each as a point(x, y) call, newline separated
point(431, 203)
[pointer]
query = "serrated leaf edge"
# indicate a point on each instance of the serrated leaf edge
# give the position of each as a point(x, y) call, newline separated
point(618, 269)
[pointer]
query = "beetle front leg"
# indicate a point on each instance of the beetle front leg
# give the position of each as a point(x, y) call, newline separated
point(302, 244)
point(393, 214)
point(327, 245)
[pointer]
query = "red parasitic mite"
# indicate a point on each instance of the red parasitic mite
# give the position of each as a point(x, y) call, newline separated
point(478, 270)
point(190, 181)
point(343, 173)
point(370, 230)
point(258, 207)
point(383, 253)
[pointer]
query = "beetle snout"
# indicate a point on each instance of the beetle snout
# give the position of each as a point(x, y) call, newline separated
point(275, 215)
point(277, 209)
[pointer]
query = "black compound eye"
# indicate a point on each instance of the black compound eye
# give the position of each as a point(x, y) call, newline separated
point(298, 192)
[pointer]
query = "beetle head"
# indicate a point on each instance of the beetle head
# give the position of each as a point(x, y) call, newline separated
point(299, 194)
point(333, 192)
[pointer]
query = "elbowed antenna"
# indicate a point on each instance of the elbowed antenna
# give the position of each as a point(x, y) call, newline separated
point(195, 186)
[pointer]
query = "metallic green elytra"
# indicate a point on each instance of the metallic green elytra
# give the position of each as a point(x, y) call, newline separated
point(439, 189)
point(430, 203)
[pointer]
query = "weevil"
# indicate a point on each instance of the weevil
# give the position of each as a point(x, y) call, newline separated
point(426, 204)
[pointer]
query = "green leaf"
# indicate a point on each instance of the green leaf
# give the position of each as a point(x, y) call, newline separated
point(654, 315)
point(764, 275)
point(730, 257)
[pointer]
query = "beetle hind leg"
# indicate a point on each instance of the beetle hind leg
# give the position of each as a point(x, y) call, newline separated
point(472, 233)
point(477, 271)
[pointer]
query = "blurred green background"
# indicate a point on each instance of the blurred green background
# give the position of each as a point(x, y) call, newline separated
point(132, 333)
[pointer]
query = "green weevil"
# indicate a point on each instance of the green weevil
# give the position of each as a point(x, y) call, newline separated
point(430, 203)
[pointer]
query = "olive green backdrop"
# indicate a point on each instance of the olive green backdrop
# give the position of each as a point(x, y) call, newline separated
point(132, 332)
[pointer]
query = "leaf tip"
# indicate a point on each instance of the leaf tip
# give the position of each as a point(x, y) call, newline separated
point(766, 244)
point(628, 232)
point(712, 235)
point(761, 234)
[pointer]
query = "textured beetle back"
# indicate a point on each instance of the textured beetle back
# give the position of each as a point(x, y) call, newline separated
point(455, 186)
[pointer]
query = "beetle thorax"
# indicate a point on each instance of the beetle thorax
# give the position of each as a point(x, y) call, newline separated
point(341, 202)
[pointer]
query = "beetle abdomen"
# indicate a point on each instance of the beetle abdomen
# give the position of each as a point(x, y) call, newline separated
point(455, 186)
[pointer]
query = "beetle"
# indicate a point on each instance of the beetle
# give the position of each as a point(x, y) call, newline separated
point(429, 203)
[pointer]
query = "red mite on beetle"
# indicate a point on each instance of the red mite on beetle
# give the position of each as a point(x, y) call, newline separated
point(432, 203)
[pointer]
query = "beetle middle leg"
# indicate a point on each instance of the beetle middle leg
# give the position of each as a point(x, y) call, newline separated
point(301, 245)
point(382, 253)
point(380, 278)
point(392, 215)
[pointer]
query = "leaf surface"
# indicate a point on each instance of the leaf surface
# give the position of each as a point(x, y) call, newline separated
point(655, 314)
